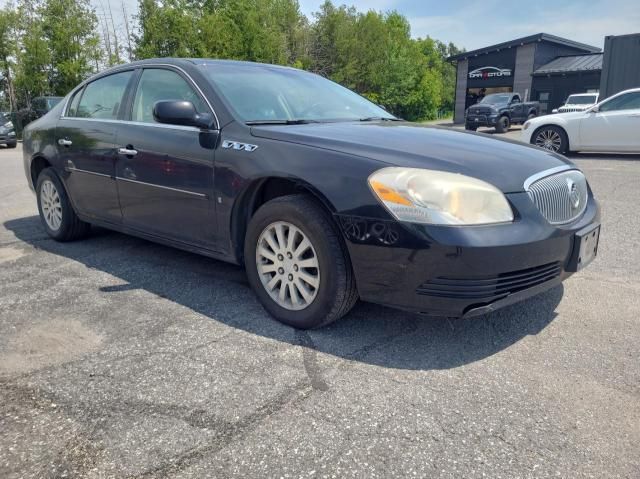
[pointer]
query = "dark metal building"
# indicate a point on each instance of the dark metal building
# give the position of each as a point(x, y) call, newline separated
point(621, 64)
point(509, 66)
point(554, 82)
point(547, 69)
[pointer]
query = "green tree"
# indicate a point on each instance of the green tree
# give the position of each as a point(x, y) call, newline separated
point(8, 47)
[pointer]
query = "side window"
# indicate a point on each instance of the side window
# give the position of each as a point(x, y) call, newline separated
point(157, 85)
point(73, 107)
point(629, 101)
point(101, 98)
point(515, 99)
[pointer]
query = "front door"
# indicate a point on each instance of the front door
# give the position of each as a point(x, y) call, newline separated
point(85, 138)
point(615, 126)
point(165, 172)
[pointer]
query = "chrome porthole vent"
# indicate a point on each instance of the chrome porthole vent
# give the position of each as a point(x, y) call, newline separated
point(561, 197)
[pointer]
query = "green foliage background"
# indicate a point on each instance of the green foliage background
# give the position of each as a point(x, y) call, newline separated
point(48, 46)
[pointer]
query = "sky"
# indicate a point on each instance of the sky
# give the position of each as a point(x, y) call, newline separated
point(477, 24)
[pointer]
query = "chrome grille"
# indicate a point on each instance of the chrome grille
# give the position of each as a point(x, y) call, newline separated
point(560, 197)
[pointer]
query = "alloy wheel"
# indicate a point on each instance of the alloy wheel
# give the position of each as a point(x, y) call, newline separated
point(549, 140)
point(51, 205)
point(288, 266)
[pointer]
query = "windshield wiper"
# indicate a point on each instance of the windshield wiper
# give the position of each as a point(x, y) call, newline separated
point(379, 118)
point(280, 122)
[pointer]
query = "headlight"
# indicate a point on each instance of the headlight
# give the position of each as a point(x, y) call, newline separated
point(8, 125)
point(439, 198)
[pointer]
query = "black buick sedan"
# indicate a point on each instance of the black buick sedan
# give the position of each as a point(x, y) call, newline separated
point(322, 195)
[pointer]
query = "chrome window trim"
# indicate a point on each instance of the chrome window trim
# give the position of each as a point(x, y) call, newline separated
point(78, 170)
point(200, 195)
point(138, 123)
point(143, 66)
point(543, 174)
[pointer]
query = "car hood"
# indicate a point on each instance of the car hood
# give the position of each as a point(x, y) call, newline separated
point(505, 164)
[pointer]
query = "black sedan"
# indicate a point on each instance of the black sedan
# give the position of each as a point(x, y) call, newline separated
point(323, 196)
point(7, 132)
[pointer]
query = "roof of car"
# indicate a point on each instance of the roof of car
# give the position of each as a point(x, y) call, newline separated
point(201, 61)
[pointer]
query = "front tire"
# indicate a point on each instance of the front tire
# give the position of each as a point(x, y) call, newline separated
point(503, 124)
point(297, 263)
point(12, 145)
point(56, 213)
point(470, 127)
point(552, 138)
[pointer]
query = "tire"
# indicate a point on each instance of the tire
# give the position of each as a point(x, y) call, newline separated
point(531, 116)
point(503, 124)
point(12, 145)
point(299, 217)
point(56, 213)
point(552, 138)
point(470, 128)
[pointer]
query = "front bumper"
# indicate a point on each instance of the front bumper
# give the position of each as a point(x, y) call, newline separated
point(462, 271)
point(7, 138)
point(481, 120)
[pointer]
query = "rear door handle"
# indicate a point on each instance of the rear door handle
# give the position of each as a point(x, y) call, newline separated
point(127, 151)
point(65, 142)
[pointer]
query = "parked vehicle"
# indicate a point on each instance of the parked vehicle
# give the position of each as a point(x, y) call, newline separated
point(611, 125)
point(500, 110)
point(39, 107)
point(322, 195)
point(7, 132)
point(578, 102)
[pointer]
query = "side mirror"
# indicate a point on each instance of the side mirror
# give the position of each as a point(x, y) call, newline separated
point(555, 110)
point(594, 109)
point(180, 112)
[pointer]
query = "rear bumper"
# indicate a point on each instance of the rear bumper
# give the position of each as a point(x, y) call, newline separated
point(462, 271)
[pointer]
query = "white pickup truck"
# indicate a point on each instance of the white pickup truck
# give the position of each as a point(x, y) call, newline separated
point(578, 102)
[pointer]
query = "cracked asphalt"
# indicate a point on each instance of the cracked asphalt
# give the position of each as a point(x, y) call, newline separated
point(123, 358)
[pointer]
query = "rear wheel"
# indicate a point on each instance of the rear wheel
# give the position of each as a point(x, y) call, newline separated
point(56, 212)
point(296, 263)
point(503, 124)
point(531, 116)
point(551, 138)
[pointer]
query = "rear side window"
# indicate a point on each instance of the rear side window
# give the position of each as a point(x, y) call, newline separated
point(157, 85)
point(102, 98)
point(628, 101)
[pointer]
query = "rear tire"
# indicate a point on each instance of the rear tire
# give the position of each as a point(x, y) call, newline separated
point(531, 116)
point(56, 213)
point(279, 284)
point(503, 124)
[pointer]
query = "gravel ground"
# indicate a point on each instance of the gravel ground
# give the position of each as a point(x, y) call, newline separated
point(123, 358)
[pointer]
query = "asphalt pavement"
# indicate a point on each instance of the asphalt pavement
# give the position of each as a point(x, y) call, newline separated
point(123, 358)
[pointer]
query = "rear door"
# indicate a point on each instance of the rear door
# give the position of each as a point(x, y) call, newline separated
point(516, 108)
point(85, 137)
point(615, 126)
point(165, 172)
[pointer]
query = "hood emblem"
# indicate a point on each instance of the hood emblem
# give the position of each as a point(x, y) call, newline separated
point(239, 146)
point(574, 195)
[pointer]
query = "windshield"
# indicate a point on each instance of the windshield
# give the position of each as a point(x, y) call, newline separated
point(263, 93)
point(496, 98)
point(581, 100)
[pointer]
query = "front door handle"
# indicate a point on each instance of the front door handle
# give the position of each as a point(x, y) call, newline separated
point(65, 142)
point(127, 151)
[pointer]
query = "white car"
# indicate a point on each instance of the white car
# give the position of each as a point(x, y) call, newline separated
point(613, 125)
point(578, 102)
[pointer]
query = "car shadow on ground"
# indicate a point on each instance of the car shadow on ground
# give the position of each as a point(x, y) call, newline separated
point(220, 291)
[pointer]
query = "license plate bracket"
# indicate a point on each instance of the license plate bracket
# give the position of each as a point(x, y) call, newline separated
point(585, 247)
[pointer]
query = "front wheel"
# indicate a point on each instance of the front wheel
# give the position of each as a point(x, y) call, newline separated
point(297, 264)
point(503, 124)
point(470, 127)
point(56, 212)
point(551, 138)
point(12, 145)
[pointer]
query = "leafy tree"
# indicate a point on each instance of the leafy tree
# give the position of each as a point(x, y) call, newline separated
point(8, 47)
